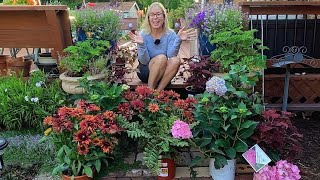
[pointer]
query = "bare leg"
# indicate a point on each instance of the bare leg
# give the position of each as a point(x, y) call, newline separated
point(173, 65)
point(157, 68)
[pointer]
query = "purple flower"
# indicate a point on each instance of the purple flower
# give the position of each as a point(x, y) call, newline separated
point(216, 85)
point(283, 170)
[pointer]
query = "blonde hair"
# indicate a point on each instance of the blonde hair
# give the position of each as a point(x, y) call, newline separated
point(146, 28)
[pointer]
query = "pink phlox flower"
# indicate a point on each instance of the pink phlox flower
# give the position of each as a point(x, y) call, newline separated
point(181, 130)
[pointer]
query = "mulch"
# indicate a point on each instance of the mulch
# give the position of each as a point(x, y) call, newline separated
point(309, 160)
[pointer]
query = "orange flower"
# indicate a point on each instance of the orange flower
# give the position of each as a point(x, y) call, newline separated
point(83, 149)
point(96, 142)
point(153, 107)
point(48, 120)
point(106, 146)
point(110, 115)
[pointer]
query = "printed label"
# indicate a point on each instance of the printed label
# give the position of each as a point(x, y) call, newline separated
point(164, 172)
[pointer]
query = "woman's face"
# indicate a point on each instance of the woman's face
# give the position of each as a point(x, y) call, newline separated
point(156, 17)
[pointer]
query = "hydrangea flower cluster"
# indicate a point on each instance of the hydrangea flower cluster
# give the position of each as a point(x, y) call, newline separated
point(181, 130)
point(216, 85)
point(283, 170)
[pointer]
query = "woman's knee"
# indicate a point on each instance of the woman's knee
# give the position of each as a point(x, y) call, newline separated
point(159, 60)
point(174, 61)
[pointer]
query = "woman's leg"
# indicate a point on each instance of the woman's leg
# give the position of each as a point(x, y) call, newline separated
point(172, 68)
point(157, 66)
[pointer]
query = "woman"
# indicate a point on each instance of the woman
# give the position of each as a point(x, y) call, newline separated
point(158, 47)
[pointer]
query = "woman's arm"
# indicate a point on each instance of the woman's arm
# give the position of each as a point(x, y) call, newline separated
point(143, 54)
point(173, 45)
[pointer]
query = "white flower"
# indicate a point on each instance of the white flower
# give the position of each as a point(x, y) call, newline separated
point(38, 84)
point(35, 99)
point(26, 98)
point(5, 90)
point(125, 87)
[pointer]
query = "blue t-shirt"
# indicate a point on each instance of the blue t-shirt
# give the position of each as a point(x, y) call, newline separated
point(169, 45)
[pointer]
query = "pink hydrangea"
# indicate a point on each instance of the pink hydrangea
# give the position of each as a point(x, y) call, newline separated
point(181, 130)
point(283, 170)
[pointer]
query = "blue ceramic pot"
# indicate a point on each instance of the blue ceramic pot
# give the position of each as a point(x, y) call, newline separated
point(205, 47)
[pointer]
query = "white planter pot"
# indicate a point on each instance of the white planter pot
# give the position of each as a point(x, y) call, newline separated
point(70, 84)
point(225, 173)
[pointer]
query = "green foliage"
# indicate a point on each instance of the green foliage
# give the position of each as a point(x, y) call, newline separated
point(104, 25)
point(26, 103)
point(179, 8)
point(25, 150)
point(104, 94)
point(238, 47)
point(225, 122)
point(86, 57)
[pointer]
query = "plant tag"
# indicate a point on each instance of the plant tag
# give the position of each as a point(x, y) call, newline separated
point(164, 172)
point(164, 164)
point(256, 157)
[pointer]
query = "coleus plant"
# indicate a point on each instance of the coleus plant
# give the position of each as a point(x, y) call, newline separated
point(200, 72)
point(277, 135)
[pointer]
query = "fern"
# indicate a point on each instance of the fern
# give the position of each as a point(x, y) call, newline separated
point(133, 129)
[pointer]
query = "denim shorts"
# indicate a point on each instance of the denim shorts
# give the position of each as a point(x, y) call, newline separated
point(143, 73)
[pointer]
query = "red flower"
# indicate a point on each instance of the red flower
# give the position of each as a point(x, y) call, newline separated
point(188, 115)
point(60, 124)
point(191, 101)
point(130, 96)
point(93, 107)
point(137, 105)
point(83, 149)
point(81, 104)
point(143, 91)
point(82, 137)
point(153, 107)
point(110, 127)
point(181, 104)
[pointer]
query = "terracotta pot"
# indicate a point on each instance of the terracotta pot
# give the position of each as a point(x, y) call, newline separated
point(83, 177)
point(167, 169)
point(18, 66)
point(3, 64)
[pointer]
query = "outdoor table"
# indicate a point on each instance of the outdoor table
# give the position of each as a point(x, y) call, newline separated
point(43, 26)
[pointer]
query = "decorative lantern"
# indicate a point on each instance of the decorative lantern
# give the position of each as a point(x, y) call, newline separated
point(3, 145)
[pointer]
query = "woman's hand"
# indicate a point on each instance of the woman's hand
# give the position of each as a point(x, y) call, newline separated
point(187, 34)
point(136, 38)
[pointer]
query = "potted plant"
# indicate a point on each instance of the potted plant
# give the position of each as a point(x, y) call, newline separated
point(201, 70)
point(224, 114)
point(85, 58)
point(238, 46)
point(100, 24)
point(84, 137)
point(160, 120)
point(277, 136)
point(211, 19)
